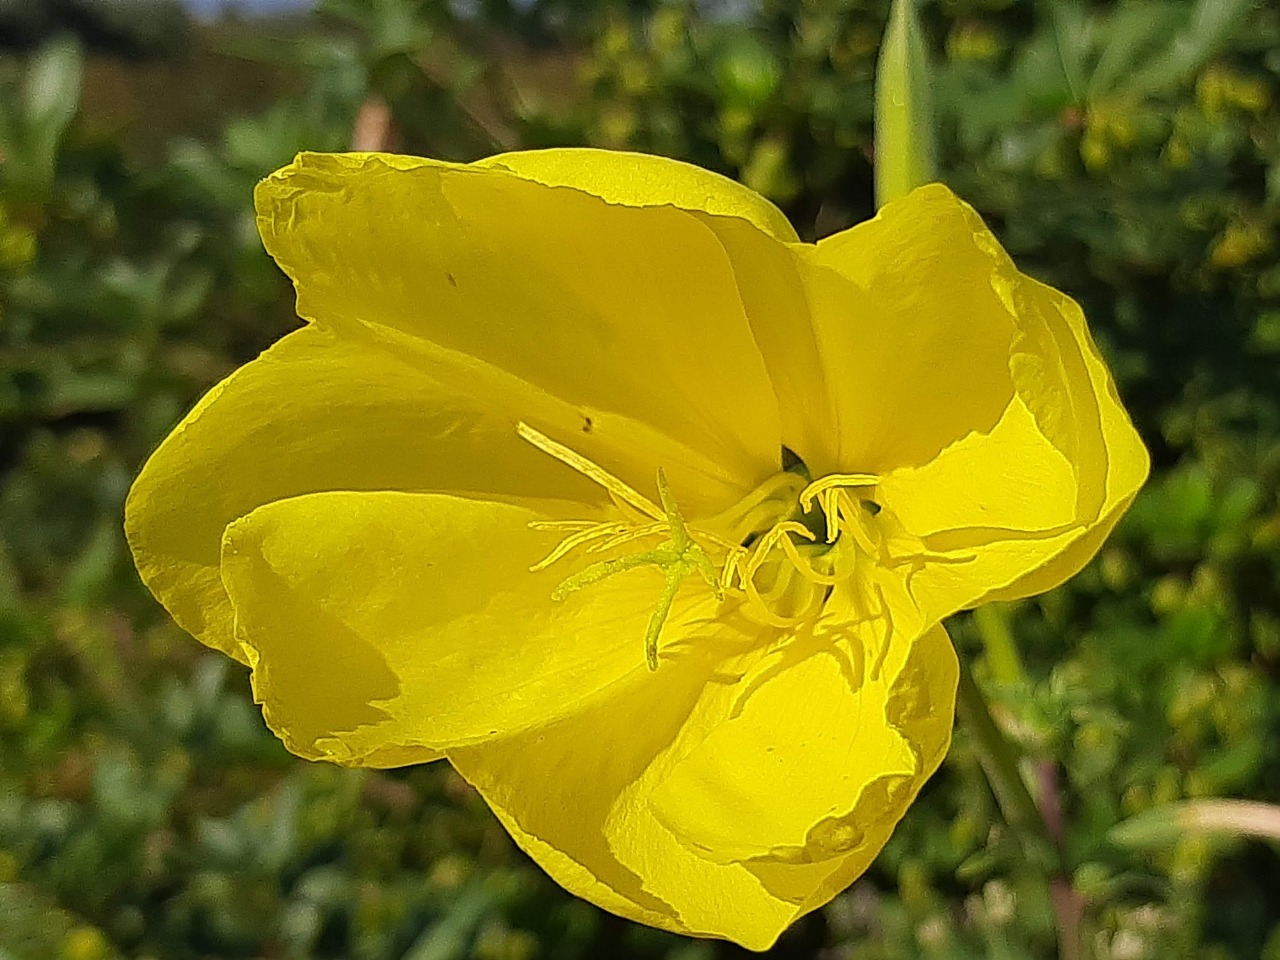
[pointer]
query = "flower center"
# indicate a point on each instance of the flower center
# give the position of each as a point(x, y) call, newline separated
point(780, 550)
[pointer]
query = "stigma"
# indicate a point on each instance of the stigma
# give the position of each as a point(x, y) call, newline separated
point(777, 553)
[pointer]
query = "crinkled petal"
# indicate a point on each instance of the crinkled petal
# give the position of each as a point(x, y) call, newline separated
point(376, 622)
point(645, 180)
point(771, 281)
point(810, 757)
point(914, 340)
point(317, 411)
point(1013, 457)
point(1020, 509)
point(921, 708)
point(756, 237)
point(628, 313)
point(1009, 478)
point(555, 789)
point(794, 755)
point(1126, 462)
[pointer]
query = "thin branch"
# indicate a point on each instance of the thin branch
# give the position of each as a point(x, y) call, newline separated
point(1039, 827)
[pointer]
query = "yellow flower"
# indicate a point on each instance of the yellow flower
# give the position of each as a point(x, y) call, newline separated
point(587, 475)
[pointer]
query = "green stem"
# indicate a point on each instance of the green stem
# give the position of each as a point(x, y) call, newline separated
point(1000, 763)
point(1003, 659)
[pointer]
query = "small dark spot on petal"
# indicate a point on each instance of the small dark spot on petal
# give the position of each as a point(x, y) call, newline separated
point(453, 281)
point(587, 425)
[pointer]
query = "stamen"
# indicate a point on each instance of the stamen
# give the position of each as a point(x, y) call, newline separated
point(781, 585)
point(780, 487)
point(778, 536)
point(589, 470)
point(626, 535)
point(732, 563)
point(830, 500)
point(707, 537)
point(562, 524)
point(835, 480)
point(804, 567)
point(762, 517)
point(773, 522)
point(825, 491)
point(854, 526)
point(761, 602)
point(761, 549)
point(595, 531)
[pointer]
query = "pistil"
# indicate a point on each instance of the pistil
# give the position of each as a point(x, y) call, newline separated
point(775, 528)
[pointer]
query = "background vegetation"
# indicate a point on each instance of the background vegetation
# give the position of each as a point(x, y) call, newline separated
point(1127, 152)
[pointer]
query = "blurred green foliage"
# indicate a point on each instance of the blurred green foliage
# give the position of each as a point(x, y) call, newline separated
point(1127, 152)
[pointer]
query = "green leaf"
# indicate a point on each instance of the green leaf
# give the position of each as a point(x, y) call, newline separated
point(1165, 825)
point(1210, 27)
point(904, 122)
point(52, 92)
point(88, 577)
point(35, 926)
point(449, 938)
point(1151, 828)
point(1134, 33)
point(1072, 38)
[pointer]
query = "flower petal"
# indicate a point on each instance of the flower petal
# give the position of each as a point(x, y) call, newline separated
point(316, 412)
point(794, 755)
point(645, 180)
point(921, 708)
point(822, 752)
point(554, 789)
point(771, 283)
point(914, 340)
point(383, 621)
point(630, 314)
point(1024, 507)
point(755, 236)
point(629, 815)
point(979, 398)
point(1125, 469)
point(1009, 478)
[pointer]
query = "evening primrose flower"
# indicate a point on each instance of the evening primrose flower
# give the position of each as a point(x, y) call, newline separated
point(588, 476)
